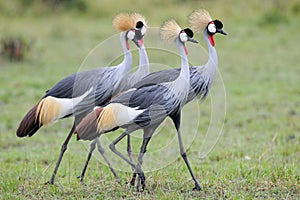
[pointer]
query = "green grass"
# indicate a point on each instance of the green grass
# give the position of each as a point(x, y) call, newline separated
point(257, 155)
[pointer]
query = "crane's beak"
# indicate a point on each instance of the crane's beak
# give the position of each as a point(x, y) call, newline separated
point(192, 40)
point(136, 42)
point(138, 38)
point(221, 31)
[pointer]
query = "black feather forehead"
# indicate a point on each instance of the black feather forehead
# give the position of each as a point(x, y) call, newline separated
point(218, 23)
point(189, 32)
point(139, 24)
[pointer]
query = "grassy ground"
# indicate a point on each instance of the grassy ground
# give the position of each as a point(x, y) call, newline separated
point(257, 155)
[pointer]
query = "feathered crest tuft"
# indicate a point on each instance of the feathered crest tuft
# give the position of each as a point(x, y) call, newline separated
point(123, 22)
point(138, 17)
point(199, 20)
point(169, 30)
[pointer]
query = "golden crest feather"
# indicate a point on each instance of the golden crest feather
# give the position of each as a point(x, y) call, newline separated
point(199, 20)
point(138, 17)
point(170, 30)
point(123, 22)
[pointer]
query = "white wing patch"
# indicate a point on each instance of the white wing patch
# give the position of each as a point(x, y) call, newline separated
point(123, 114)
point(67, 105)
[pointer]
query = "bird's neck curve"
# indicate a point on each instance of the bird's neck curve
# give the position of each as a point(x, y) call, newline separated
point(212, 64)
point(127, 61)
point(185, 69)
point(143, 69)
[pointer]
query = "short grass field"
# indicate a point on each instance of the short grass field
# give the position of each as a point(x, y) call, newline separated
point(252, 152)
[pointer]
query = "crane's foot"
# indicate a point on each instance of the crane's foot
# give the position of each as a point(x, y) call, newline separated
point(50, 182)
point(81, 180)
point(132, 182)
point(197, 187)
point(141, 182)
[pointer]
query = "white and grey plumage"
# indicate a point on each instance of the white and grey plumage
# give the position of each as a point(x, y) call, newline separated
point(201, 77)
point(77, 94)
point(144, 107)
point(127, 83)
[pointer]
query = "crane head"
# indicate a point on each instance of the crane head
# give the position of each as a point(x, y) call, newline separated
point(214, 27)
point(140, 31)
point(133, 25)
point(171, 31)
point(200, 21)
point(186, 35)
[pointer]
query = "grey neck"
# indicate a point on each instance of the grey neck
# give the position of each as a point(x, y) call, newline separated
point(209, 69)
point(127, 61)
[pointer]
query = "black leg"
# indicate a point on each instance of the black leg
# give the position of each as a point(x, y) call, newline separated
point(184, 156)
point(92, 148)
point(176, 120)
point(148, 132)
point(63, 149)
point(141, 178)
point(102, 152)
point(132, 181)
point(112, 147)
point(129, 150)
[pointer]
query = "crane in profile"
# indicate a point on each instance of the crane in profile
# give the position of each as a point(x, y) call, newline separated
point(77, 94)
point(201, 77)
point(145, 107)
point(134, 78)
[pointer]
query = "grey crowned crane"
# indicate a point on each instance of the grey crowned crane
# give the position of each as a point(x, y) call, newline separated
point(145, 107)
point(201, 77)
point(134, 78)
point(77, 94)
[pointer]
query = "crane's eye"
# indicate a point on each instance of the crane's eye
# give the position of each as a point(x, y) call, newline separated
point(130, 34)
point(183, 37)
point(212, 28)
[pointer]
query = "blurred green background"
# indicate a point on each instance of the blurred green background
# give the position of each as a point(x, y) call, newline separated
point(257, 155)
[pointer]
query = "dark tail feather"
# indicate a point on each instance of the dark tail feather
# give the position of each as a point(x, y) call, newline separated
point(87, 128)
point(29, 125)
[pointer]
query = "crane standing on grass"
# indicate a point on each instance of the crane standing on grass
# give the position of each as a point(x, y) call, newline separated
point(134, 78)
point(144, 107)
point(201, 77)
point(77, 94)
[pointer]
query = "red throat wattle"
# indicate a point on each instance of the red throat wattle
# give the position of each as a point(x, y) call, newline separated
point(127, 45)
point(185, 50)
point(141, 42)
point(211, 39)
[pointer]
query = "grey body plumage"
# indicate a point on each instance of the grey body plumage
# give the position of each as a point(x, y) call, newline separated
point(77, 94)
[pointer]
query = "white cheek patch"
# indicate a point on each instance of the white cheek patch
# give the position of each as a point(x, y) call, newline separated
point(143, 30)
point(183, 37)
point(130, 35)
point(212, 28)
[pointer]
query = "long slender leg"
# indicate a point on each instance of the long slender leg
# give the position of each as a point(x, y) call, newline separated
point(129, 150)
point(176, 121)
point(148, 132)
point(132, 181)
point(102, 152)
point(184, 156)
point(112, 147)
point(92, 148)
point(141, 178)
point(63, 149)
